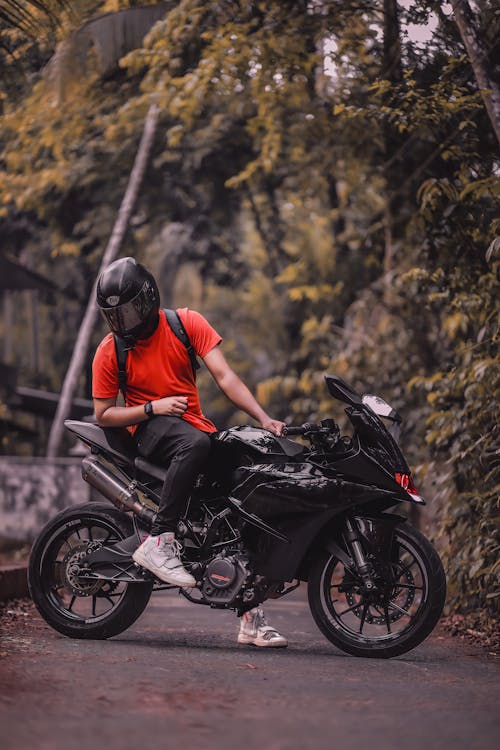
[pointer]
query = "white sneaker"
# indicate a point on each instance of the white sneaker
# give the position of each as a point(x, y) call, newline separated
point(161, 555)
point(255, 630)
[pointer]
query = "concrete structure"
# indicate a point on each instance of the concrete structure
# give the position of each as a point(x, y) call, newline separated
point(33, 490)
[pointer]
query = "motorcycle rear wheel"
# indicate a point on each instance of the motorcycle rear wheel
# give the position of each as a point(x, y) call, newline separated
point(82, 610)
point(395, 624)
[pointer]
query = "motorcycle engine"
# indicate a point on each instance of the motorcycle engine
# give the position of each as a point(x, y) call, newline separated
point(223, 579)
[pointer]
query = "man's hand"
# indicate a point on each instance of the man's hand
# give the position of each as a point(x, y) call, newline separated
point(273, 425)
point(171, 406)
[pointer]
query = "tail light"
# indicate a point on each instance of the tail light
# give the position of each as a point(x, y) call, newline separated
point(406, 482)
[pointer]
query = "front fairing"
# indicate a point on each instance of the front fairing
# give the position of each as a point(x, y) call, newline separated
point(375, 455)
point(377, 441)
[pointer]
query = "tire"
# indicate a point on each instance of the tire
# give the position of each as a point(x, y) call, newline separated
point(347, 629)
point(51, 589)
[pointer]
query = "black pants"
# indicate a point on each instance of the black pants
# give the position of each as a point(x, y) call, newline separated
point(171, 440)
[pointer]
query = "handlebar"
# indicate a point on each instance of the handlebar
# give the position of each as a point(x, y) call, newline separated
point(292, 431)
point(302, 429)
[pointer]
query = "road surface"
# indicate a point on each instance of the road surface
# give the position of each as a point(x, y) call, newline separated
point(178, 679)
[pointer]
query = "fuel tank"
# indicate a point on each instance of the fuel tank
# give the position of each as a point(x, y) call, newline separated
point(255, 440)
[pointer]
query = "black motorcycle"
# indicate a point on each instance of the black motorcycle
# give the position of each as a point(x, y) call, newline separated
point(267, 513)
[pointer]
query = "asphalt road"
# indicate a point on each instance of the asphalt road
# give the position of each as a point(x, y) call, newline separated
point(177, 678)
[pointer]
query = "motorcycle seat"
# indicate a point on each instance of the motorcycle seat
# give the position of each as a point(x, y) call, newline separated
point(115, 441)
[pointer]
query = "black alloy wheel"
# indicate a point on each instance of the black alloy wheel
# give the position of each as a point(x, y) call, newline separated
point(393, 619)
point(76, 607)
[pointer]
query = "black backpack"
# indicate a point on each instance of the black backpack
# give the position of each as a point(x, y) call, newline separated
point(122, 348)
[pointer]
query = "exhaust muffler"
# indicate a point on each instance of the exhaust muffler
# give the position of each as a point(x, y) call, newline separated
point(108, 484)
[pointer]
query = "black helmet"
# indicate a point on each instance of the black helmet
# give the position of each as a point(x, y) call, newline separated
point(128, 297)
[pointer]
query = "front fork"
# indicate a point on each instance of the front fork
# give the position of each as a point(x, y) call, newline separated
point(354, 538)
point(370, 541)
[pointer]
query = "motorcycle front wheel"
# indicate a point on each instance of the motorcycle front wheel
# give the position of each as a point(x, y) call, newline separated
point(72, 606)
point(403, 612)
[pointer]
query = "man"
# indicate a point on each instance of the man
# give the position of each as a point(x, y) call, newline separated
point(162, 410)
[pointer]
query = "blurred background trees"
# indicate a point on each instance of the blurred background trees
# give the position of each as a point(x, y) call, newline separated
point(323, 187)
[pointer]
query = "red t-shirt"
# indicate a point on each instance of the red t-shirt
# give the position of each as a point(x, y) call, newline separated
point(158, 366)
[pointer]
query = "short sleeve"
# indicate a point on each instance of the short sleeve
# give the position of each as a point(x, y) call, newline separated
point(105, 370)
point(201, 334)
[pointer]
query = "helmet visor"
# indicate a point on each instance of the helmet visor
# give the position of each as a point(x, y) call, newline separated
point(130, 316)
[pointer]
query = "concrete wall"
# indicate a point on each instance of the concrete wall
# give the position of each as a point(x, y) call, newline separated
point(33, 490)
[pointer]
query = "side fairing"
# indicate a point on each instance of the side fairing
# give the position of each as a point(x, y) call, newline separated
point(284, 489)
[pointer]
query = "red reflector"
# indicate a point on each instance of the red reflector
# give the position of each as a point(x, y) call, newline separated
point(403, 480)
point(406, 482)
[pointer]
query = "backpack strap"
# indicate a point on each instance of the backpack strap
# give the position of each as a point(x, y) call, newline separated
point(178, 329)
point(122, 348)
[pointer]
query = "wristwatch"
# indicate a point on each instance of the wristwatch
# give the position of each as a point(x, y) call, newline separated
point(148, 409)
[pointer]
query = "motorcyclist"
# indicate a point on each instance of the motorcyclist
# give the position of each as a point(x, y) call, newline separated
point(162, 410)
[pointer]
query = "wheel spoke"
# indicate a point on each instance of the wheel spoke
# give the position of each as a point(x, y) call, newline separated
point(409, 586)
point(399, 609)
point(73, 600)
point(94, 603)
point(91, 538)
point(354, 606)
point(407, 567)
point(363, 617)
point(387, 620)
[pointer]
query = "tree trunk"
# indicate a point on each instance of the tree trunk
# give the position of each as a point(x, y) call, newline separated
point(8, 322)
point(80, 351)
point(392, 70)
point(392, 42)
point(490, 90)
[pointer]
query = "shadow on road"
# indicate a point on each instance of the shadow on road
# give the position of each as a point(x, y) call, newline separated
point(176, 640)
